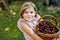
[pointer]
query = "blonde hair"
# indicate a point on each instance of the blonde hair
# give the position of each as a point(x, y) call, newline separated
point(27, 5)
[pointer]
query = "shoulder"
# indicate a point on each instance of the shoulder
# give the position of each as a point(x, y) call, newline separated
point(38, 16)
point(18, 22)
point(21, 25)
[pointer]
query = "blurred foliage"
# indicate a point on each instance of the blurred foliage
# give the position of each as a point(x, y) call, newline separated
point(8, 21)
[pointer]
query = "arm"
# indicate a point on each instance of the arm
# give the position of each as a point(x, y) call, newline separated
point(29, 31)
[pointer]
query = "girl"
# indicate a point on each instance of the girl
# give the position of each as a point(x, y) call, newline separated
point(27, 24)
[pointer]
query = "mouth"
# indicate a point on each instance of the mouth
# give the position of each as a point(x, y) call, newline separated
point(29, 17)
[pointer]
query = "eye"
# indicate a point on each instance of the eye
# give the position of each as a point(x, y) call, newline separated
point(31, 12)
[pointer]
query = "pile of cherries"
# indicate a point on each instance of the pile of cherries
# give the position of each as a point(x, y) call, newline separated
point(47, 28)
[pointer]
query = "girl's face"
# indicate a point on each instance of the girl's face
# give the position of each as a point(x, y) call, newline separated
point(29, 14)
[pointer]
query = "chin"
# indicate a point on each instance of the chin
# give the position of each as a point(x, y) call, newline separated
point(29, 19)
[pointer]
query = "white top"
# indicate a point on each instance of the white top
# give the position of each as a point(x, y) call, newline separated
point(32, 25)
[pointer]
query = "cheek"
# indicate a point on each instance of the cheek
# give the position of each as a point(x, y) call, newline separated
point(24, 15)
point(34, 14)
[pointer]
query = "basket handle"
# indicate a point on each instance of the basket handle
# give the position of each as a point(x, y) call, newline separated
point(56, 23)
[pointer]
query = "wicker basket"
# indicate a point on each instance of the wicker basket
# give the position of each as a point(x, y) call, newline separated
point(48, 36)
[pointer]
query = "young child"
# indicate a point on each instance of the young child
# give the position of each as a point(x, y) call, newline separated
point(27, 24)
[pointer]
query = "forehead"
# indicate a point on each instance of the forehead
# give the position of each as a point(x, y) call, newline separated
point(30, 9)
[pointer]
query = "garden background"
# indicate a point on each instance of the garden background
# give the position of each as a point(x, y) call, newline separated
point(8, 19)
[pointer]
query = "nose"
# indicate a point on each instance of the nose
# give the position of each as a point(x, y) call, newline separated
point(29, 13)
